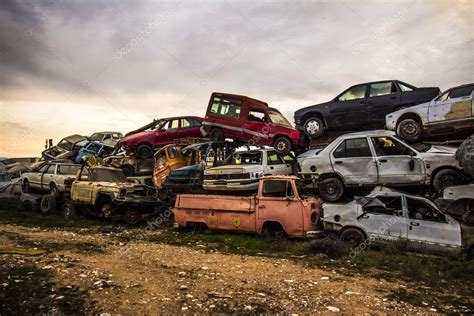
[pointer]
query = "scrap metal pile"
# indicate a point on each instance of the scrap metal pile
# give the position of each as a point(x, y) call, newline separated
point(245, 168)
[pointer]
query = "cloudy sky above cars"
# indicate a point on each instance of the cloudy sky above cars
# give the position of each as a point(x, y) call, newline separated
point(71, 67)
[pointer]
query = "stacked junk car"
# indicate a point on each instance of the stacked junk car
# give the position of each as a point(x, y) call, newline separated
point(383, 151)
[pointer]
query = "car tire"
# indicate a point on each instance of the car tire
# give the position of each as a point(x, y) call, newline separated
point(282, 145)
point(409, 130)
point(331, 189)
point(127, 170)
point(144, 151)
point(353, 237)
point(55, 191)
point(69, 211)
point(465, 155)
point(48, 204)
point(313, 127)
point(216, 135)
point(25, 186)
point(446, 178)
point(133, 217)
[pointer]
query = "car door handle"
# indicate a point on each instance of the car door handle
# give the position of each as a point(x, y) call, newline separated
point(338, 162)
point(393, 98)
point(261, 206)
point(272, 168)
point(414, 224)
point(382, 160)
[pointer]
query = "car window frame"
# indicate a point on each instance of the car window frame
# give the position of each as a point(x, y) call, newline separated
point(372, 152)
point(392, 84)
point(49, 166)
point(347, 90)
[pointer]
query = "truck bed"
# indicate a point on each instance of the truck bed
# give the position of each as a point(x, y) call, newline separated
point(215, 202)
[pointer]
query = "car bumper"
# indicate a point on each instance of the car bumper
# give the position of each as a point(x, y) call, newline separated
point(236, 185)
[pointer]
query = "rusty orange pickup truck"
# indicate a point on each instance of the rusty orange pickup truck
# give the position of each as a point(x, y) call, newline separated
point(277, 209)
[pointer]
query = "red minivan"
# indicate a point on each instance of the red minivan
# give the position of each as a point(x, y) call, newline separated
point(249, 120)
point(160, 133)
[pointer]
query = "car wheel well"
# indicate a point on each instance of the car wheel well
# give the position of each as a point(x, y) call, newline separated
point(353, 227)
point(439, 169)
point(314, 114)
point(325, 176)
point(101, 199)
point(412, 116)
point(144, 143)
point(273, 227)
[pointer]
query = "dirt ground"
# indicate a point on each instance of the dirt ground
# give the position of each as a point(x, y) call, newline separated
point(101, 272)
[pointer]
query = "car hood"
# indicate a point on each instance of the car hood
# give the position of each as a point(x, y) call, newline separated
point(346, 211)
point(437, 149)
point(137, 136)
point(316, 107)
point(232, 169)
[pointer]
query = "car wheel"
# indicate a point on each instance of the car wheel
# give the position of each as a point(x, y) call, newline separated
point(216, 135)
point(25, 186)
point(133, 217)
point(446, 178)
point(282, 145)
point(144, 151)
point(331, 189)
point(127, 170)
point(69, 211)
point(465, 155)
point(409, 130)
point(48, 204)
point(353, 237)
point(55, 191)
point(313, 127)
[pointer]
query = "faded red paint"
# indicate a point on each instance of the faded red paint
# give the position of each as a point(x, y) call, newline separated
point(248, 214)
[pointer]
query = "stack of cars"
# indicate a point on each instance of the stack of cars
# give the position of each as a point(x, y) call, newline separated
point(235, 169)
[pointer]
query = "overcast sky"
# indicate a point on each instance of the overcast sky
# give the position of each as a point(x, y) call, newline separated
point(70, 67)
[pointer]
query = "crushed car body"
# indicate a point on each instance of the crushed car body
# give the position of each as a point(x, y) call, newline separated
point(378, 158)
point(67, 148)
point(450, 112)
point(386, 216)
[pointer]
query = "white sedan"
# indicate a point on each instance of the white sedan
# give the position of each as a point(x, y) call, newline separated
point(386, 216)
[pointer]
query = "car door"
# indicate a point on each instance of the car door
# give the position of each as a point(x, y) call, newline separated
point(276, 165)
point(354, 161)
point(277, 202)
point(429, 229)
point(82, 189)
point(168, 134)
point(189, 127)
point(47, 176)
point(385, 223)
point(452, 106)
point(349, 108)
point(397, 163)
point(35, 177)
point(256, 127)
point(383, 99)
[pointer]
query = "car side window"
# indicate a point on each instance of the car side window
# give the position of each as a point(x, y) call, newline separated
point(172, 152)
point(67, 169)
point(461, 92)
point(195, 123)
point(390, 205)
point(50, 169)
point(43, 169)
point(404, 88)
point(277, 188)
point(85, 175)
point(382, 88)
point(351, 148)
point(443, 97)
point(273, 158)
point(387, 146)
point(16, 189)
point(354, 93)
point(226, 107)
point(186, 123)
point(420, 210)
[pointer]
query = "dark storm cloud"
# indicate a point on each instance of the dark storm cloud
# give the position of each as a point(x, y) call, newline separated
point(271, 50)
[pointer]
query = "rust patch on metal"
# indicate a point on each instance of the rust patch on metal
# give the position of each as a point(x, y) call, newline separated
point(459, 110)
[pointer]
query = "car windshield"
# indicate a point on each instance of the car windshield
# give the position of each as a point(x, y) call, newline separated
point(278, 118)
point(96, 137)
point(64, 144)
point(108, 175)
point(94, 147)
point(7, 162)
point(248, 158)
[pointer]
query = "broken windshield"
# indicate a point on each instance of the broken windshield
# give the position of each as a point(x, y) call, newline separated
point(108, 175)
point(278, 118)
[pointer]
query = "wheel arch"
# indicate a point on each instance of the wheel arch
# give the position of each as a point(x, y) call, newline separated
point(410, 115)
point(101, 194)
point(317, 114)
point(362, 230)
point(437, 170)
point(270, 222)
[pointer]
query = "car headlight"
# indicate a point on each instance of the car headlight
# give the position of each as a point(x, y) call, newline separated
point(122, 193)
